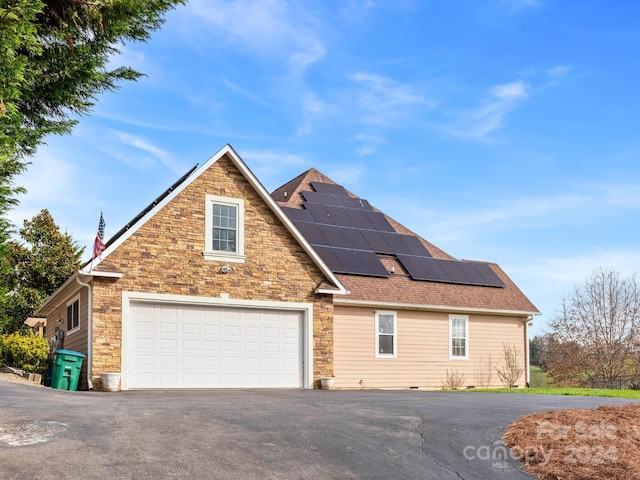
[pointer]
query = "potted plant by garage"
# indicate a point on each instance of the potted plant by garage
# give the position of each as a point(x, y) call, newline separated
point(110, 381)
point(327, 382)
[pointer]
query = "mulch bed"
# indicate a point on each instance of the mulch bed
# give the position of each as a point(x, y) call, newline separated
point(578, 444)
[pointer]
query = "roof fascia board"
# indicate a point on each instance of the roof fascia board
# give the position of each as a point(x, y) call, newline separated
point(437, 308)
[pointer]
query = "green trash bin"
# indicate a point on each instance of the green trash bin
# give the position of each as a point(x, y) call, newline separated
point(66, 369)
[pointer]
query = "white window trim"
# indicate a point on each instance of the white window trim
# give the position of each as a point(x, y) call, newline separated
point(71, 302)
point(209, 253)
point(395, 334)
point(466, 331)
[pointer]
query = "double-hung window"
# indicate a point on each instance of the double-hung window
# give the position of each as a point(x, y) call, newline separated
point(458, 337)
point(224, 229)
point(386, 334)
point(73, 315)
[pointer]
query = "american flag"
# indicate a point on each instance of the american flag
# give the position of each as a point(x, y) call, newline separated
point(98, 243)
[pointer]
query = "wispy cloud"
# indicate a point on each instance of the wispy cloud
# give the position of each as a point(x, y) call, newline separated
point(583, 204)
point(382, 100)
point(369, 143)
point(559, 71)
point(262, 27)
point(246, 93)
point(480, 124)
point(139, 143)
point(566, 271)
point(312, 109)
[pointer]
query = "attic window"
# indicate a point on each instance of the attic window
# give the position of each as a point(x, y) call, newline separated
point(224, 229)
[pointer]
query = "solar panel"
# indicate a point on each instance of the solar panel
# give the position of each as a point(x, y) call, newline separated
point(321, 198)
point(297, 214)
point(450, 271)
point(376, 241)
point(329, 258)
point(365, 204)
point(350, 262)
point(360, 219)
point(329, 188)
point(318, 213)
point(453, 272)
point(379, 221)
point(311, 232)
point(339, 216)
point(355, 238)
point(348, 235)
point(357, 203)
point(423, 268)
point(471, 273)
point(415, 246)
point(490, 277)
point(333, 236)
point(372, 264)
point(359, 262)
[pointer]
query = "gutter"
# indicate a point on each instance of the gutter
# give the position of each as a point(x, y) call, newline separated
point(89, 330)
point(347, 302)
point(526, 346)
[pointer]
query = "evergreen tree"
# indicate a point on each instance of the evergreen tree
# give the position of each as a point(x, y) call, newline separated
point(54, 56)
point(34, 270)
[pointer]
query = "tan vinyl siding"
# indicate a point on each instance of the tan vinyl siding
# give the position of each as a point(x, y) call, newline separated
point(423, 349)
point(76, 341)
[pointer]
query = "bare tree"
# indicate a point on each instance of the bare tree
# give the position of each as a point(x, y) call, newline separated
point(513, 368)
point(596, 333)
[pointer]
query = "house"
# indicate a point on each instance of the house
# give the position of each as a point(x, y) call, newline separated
point(218, 284)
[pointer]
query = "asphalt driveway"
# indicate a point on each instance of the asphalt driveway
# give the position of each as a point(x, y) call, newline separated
point(263, 434)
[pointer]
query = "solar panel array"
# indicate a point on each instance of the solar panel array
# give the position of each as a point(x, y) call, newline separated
point(349, 234)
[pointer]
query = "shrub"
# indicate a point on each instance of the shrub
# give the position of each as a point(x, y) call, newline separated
point(453, 380)
point(25, 351)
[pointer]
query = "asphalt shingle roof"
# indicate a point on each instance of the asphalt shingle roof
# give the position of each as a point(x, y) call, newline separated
point(398, 287)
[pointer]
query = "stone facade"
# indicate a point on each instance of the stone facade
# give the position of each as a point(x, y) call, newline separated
point(165, 255)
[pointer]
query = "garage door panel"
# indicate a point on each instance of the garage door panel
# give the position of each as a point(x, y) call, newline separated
point(144, 327)
point(252, 362)
point(190, 361)
point(190, 329)
point(191, 346)
point(168, 344)
point(168, 327)
point(144, 343)
point(211, 329)
point(208, 361)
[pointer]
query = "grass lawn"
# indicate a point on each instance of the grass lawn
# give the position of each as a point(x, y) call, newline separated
point(542, 385)
point(587, 392)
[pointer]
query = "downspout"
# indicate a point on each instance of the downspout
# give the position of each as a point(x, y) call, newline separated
point(89, 329)
point(526, 346)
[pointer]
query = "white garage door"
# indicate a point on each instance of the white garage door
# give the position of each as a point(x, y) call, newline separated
point(196, 346)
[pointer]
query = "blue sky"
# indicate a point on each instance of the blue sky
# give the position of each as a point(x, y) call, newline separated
point(499, 130)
